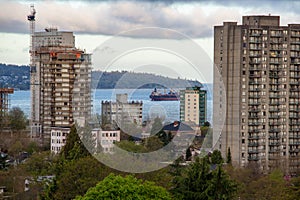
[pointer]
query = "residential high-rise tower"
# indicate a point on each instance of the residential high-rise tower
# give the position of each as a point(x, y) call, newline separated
point(259, 62)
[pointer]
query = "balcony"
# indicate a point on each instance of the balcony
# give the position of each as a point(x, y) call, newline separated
point(294, 136)
point(255, 75)
point(274, 109)
point(254, 89)
point(255, 40)
point(254, 69)
point(274, 130)
point(294, 150)
point(277, 96)
point(274, 137)
point(254, 82)
point(255, 96)
point(274, 116)
point(251, 62)
point(255, 55)
point(254, 130)
point(253, 151)
point(294, 109)
point(294, 89)
point(294, 129)
point(274, 89)
point(295, 69)
point(254, 110)
point(253, 144)
point(253, 116)
point(294, 96)
point(275, 76)
point(274, 143)
point(253, 137)
point(254, 123)
point(294, 143)
point(253, 158)
point(275, 83)
point(274, 150)
point(294, 116)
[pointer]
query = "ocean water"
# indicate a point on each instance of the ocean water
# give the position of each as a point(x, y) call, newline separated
point(169, 110)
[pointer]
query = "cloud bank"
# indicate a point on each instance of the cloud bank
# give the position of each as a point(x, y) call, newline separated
point(193, 18)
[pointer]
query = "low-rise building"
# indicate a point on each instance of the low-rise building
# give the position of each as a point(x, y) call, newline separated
point(58, 138)
point(105, 139)
point(122, 111)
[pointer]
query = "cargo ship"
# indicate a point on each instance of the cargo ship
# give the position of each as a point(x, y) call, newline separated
point(170, 96)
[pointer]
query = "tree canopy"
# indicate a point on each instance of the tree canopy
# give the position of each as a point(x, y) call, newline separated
point(17, 119)
point(129, 187)
point(200, 181)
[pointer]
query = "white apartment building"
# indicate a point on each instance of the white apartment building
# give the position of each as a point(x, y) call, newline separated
point(58, 138)
point(106, 139)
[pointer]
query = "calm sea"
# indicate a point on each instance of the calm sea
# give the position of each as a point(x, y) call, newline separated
point(166, 109)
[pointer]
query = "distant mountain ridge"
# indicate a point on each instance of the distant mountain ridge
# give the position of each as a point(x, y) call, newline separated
point(15, 76)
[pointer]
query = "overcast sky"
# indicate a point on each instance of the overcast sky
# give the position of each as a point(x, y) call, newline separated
point(96, 22)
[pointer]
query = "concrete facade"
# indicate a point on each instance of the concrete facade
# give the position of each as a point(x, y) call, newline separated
point(60, 83)
point(106, 139)
point(259, 62)
point(122, 111)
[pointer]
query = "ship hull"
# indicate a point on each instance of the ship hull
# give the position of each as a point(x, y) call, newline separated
point(164, 98)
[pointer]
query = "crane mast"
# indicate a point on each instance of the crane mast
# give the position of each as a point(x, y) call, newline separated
point(34, 78)
point(31, 19)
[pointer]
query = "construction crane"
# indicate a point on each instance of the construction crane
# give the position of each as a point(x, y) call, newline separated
point(34, 79)
point(31, 19)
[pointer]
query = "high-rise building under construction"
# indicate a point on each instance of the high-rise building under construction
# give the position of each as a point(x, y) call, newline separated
point(259, 62)
point(60, 85)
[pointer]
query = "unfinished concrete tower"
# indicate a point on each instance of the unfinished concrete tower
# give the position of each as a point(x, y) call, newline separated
point(60, 85)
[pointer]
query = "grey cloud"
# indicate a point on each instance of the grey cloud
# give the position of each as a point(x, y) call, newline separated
point(113, 17)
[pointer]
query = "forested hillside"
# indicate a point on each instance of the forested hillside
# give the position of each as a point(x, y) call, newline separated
point(15, 76)
point(124, 79)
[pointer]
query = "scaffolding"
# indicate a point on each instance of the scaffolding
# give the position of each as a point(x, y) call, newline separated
point(4, 104)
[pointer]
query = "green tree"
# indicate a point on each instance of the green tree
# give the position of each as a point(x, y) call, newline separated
point(188, 154)
point(165, 137)
point(199, 182)
point(32, 147)
point(131, 146)
point(228, 156)
point(39, 164)
point(221, 186)
point(17, 119)
point(118, 187)
point(207, 124)
point(216, 157)
point(16, 148)
point(74, 148)
point(76, 177)
point(153, 143)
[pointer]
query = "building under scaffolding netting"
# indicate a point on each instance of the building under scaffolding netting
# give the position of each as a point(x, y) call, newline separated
point(4, 104)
